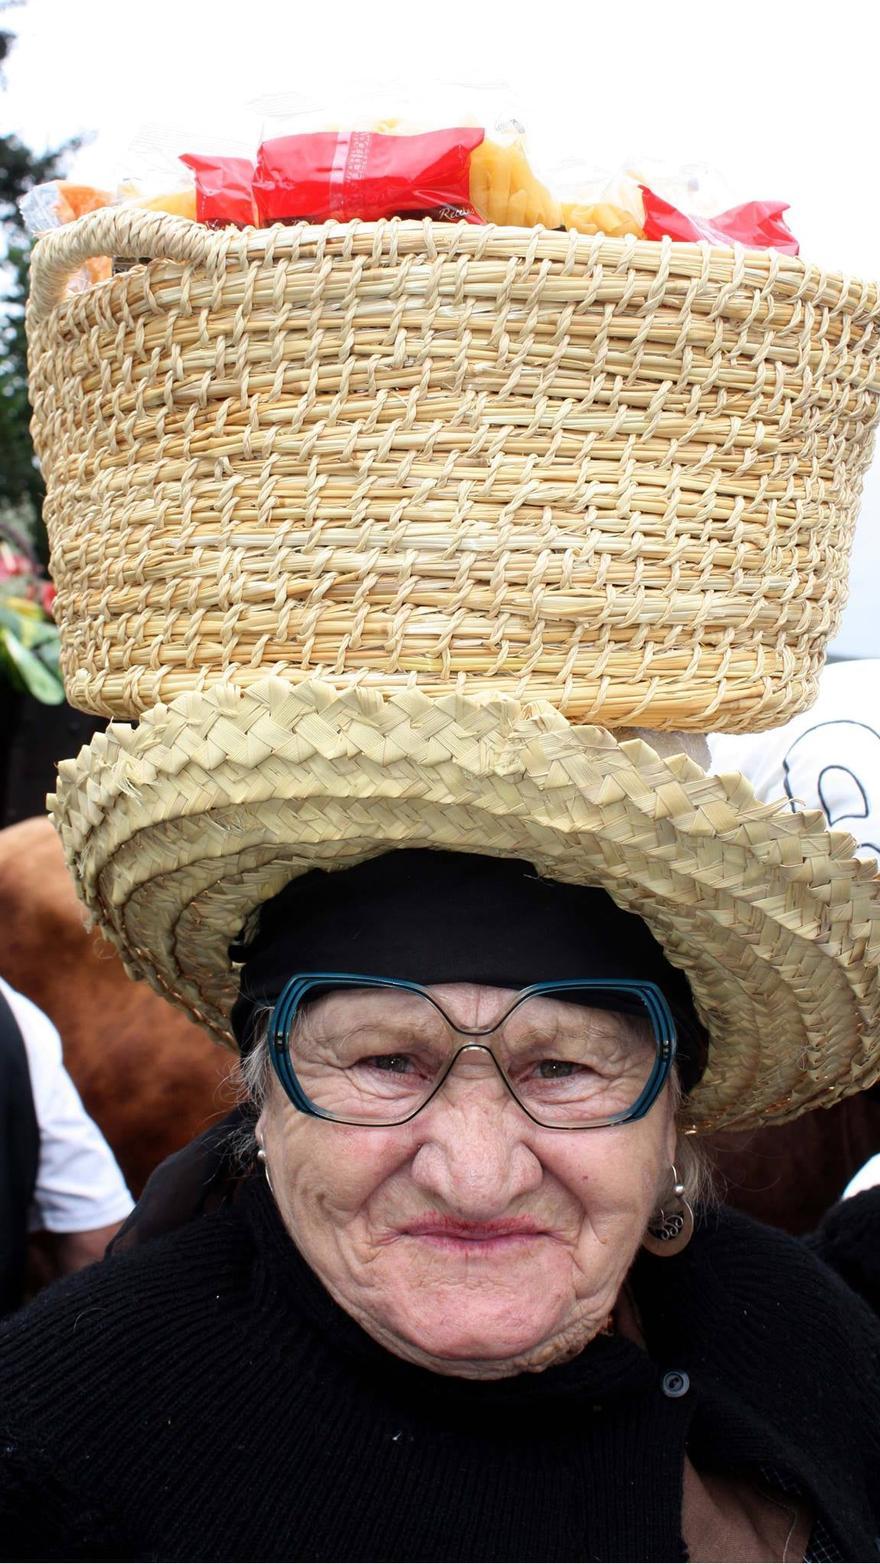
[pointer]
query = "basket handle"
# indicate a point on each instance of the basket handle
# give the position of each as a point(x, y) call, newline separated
point(130, 233)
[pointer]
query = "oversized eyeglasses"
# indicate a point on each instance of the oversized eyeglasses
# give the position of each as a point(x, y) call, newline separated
point(374, 1051)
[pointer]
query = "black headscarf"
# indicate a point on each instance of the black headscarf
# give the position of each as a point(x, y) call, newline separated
point(442, 917)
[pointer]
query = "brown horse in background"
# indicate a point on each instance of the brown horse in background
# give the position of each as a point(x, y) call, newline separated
point(152, 1080)
point(149, 1077)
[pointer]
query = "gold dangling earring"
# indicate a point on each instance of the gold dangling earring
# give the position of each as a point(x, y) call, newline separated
point(669, 1232)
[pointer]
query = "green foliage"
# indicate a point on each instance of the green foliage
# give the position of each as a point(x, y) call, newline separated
point(35, 672)
point(21, 486)
point(28, 637)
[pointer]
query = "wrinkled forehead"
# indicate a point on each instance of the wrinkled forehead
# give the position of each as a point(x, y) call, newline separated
point(467, 1006)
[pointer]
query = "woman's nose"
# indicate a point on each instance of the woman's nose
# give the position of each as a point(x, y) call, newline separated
point(474, 1154)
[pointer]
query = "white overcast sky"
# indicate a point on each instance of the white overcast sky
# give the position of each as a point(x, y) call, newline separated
point(780, 97)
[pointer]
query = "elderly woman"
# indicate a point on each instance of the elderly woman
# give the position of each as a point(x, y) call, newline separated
point(454, 1298)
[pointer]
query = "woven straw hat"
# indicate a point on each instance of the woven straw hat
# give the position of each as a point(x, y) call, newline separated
point(177, 829)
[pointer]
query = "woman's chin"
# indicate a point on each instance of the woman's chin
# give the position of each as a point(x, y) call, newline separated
point(457, 1310)
point(457, 1331)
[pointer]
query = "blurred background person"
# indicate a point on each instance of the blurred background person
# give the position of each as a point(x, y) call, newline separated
point(826, 759)
point(62, 1196)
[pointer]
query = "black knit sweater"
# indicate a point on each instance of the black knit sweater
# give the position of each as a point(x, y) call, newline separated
point(203, 1398)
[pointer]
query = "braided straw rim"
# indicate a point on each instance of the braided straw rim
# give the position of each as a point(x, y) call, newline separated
point(140, 235)
point(177, 829)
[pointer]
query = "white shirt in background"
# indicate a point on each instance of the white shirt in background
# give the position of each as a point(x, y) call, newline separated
point(79, 1185)
point(867, 1177)
point(828, 758)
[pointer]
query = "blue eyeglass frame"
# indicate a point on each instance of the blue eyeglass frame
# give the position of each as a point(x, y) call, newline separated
point(297, 987)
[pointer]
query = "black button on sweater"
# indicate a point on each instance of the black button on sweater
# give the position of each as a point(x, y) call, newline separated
point(203, 1398)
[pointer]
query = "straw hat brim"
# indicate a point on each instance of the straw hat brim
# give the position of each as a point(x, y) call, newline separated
point(177, 829)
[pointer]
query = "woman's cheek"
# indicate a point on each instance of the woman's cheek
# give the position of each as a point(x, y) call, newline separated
point(327, 1170)
point(614, 1173)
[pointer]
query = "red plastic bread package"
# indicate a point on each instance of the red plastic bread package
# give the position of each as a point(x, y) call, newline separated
point(224, 190)
point(756, 225)
point(365, 174)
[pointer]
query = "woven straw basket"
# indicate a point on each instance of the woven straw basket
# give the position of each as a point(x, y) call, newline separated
point(617, 475)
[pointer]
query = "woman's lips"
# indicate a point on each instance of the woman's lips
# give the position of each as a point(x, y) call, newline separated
point(474, 1237)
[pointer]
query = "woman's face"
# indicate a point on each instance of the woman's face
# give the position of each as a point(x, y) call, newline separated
point(470, 1240)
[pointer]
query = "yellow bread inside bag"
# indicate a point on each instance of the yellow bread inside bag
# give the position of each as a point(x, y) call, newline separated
point(600, 217)
point(607, 206)
point(504, 190)
point(179, 203)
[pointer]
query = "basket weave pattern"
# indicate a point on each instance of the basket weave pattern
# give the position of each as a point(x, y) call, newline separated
point(619, 476)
